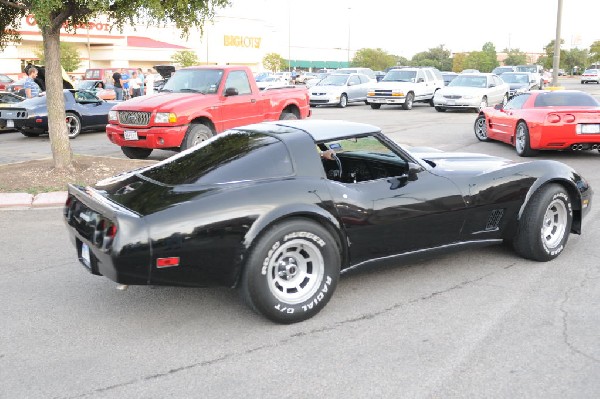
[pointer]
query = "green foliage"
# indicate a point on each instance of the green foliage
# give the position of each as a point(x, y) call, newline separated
point(274, 62)
point(69, 56)
point(458, 62)
point(185, 58)
point(595, 52)
point(548, 60)
point(574, 57)
point(515, 57)
point(376, 59)
point(484, 61)
point(438, 57)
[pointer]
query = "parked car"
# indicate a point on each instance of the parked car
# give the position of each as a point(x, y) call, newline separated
point(535, 70)
point(470, 71)
point(448, 77)
point(405, 86)
point(282, 231)
point(8, 98)
point(502, 69)
point(365, 71)
point(17, 86)
point(340, 89)
point(519, 82)
point(165, 72)
point(471, 91)
point(590, 75)
point(543, 120)
point(84, 111)
point(315, 79)
point(5, 81)
point(271, 82)
point(99, 88)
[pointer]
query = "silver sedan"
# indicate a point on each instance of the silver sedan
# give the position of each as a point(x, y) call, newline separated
point(340, 89)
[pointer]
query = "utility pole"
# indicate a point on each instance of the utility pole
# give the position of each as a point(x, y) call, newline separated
point(556, 58)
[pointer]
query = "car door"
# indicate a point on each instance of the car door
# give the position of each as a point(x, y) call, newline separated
point(503, 122)
point(429, 87)
point(354, 88)
point(239, 106)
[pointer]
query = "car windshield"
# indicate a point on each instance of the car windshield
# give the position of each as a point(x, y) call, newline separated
point(515, 78)
point(194, 80)
point(468, 81)
point(399, 75)
point(230, 157)
point(334, 80)
point(590, 72)
point(501, 70)
point(525, 68)
point(564, 98)
point(86, 84)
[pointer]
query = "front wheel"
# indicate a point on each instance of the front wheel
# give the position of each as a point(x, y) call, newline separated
point(545, 225)
point(408, 102)
point(343, 101)
point(440, 109)
point(522, 143)
point(196, 134)
point(73, 125)
point(375, 106)
point(287, 116)
point(481, 128)
point(292, 271)
point(136, 152)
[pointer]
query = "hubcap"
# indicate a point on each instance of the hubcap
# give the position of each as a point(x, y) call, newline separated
point(554, 224)
point(520, 139)
point(481, 128)
point(295, 271)
point(72, 125)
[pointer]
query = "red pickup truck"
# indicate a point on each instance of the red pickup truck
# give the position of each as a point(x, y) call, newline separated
point(195, 104)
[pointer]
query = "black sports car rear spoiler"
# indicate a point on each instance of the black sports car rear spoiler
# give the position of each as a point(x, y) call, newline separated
point(94, 200)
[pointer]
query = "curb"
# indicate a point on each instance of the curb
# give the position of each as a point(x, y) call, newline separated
point(24, 200)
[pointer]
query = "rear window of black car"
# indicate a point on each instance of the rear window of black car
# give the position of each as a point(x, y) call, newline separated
point(561, 99)
point(230, 157)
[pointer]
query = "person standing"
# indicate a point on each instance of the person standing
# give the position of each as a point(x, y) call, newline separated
point(294, 76)
point(125, 82)
point(134, 84)
point(142, 79)
point(31, 88)
point(150, 82)
point(118, 85)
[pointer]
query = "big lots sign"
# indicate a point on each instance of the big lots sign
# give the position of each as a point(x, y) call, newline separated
point(92, 25)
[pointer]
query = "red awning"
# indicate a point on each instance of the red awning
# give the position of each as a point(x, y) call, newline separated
point(139, 41)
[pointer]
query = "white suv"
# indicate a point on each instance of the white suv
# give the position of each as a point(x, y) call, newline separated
point(405, 86)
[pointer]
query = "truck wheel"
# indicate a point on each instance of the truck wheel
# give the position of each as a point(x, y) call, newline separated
point(375, 106)
point(343, 101)
point(545, 225)
point(287, 116)
point(73, 125)
point(292, 271)
point(136, 152)
point(196, 134)
point(408, 102)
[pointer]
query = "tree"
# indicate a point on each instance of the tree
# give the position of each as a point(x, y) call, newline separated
point(515, 57)
point(595, 52)
point(548, 60)
point(575, 58)
point(374, 58)
point(438, 57)
point(69, 56)
point(52, 15)
point(185, 58)
point(459, 62)
point(274, 62)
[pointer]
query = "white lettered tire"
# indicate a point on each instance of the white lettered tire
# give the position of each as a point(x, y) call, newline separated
point(545, 224)
point(292, 271)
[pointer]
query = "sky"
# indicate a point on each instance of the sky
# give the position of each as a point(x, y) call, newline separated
point(404, 28)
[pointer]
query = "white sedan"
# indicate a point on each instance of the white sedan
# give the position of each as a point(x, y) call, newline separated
point(472, 91)
point(272, 82)
point(340, 89)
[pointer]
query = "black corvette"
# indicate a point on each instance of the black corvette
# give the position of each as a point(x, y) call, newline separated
point(84, 111)
point(257, 208)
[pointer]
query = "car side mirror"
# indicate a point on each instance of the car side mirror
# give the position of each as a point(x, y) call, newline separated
point(498, 107)
point(350, 83)
point(492, 85)
point(231, 91)
point(420, 80)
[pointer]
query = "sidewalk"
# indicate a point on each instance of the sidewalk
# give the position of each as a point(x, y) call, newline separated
point(24, 200)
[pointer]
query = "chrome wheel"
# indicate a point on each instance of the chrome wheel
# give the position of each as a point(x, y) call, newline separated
point(554, 224)
point(295, 271)
point(481, 128)
point(520, 139)
point(343, 101)
point(73, 125)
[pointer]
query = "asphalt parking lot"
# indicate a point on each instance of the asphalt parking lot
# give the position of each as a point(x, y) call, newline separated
point(478, 323)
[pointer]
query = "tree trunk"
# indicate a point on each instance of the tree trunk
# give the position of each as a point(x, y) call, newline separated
point(59, 137)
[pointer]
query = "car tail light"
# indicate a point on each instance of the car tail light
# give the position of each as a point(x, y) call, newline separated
point(569, 118)
point(553, 118)
point(104, 233)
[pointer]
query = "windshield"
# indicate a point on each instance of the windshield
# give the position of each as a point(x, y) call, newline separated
point(334, 80)
point(590, 72)
point(203, 81)
point(499, 71)
point(400, 75)
point(524, 68)
point(515, 78)
point(86, 84)
point(469, 81)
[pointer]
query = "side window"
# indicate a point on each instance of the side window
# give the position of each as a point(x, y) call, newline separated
point(429, 75)
point(497, 81)
point(438, 74)
point(238, 80)
point(420, 75)
point(354, 80)
point(517, 102)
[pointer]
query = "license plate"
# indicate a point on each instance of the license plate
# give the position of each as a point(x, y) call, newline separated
point(85, 255)
point(130, 135)
point(590, 128)
point(451, 102)
point(10, 123)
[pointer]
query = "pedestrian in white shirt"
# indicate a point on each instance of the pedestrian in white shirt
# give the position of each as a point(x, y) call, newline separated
point(150, 82)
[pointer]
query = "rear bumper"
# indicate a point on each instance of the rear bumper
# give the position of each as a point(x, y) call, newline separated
point(386, 100)
point(148, 137)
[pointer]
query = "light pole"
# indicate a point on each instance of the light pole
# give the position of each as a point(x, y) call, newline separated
point(349, 9)
point(289, 36)
point(556, 58)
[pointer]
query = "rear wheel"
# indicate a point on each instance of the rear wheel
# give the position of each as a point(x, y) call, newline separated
point(408, 102)
point(375, 106)
point(287, 116)
point(545, 225)
point(522, 145)
point(73, 125)
point(343, 101)
point(481, 128)
point(196, 134)
point(136, 153)
point(440, 109)
point(292, 271)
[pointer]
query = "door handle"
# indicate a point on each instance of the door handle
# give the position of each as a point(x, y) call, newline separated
point(253, 100)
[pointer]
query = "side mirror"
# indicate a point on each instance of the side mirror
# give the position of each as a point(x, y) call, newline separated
point(498, 106)
point(492, 85)
point(420, 80)
point(231, 91)
point(350, 83)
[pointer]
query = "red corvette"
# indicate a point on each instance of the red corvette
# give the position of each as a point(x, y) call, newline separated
point(543, 120)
